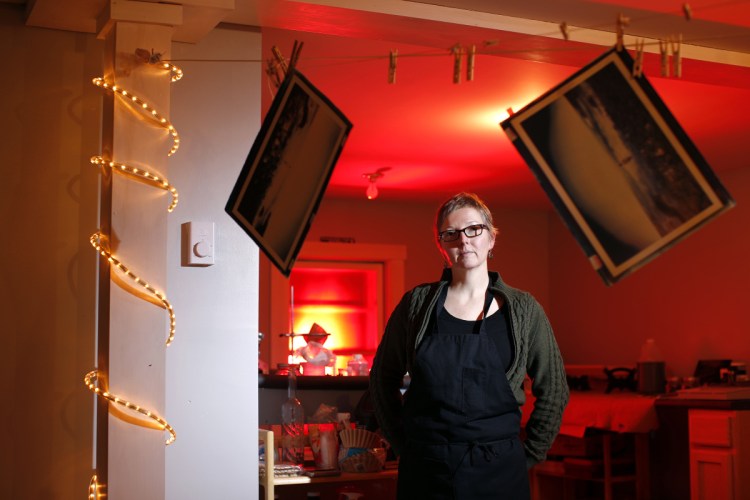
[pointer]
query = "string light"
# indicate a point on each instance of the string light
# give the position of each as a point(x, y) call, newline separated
point(141, 174)
point(154, 58)
point(175, 71)
point(96, 242)
point(91, 380)
point(94, 488)
point(136, 102)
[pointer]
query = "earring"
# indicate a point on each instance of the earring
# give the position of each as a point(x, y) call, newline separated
point(490, 254)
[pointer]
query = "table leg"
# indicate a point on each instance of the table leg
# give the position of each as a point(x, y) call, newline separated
point(642, 466)
point(607, 451)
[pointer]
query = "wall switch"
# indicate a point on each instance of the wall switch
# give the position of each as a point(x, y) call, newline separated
point(199, 243)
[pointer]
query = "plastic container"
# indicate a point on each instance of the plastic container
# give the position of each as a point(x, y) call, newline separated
point(651, 370)
point(357, 366)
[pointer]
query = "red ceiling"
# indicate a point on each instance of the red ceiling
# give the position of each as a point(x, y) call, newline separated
point(439, 137)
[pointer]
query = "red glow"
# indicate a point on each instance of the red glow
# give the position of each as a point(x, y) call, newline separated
point(437, 135)
point(341, 300)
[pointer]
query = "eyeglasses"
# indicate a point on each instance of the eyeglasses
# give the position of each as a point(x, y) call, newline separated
point(453, 234)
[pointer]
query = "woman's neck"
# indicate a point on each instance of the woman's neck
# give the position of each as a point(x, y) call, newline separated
point(466, 293)
point(470, 280)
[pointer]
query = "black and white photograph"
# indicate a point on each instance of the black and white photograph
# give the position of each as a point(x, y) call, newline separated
point(288, 168)
point(616, 165)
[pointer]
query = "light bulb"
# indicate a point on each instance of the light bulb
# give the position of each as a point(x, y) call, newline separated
point(372, 191)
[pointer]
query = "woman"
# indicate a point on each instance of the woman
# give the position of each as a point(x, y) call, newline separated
point(467, 341)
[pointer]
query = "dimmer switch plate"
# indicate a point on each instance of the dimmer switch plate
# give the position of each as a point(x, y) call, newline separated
point(199, 241)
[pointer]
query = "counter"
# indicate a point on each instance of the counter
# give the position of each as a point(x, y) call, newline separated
point(671, 448)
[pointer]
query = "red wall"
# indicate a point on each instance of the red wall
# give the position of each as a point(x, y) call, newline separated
point(521, 249)
point(692, 299)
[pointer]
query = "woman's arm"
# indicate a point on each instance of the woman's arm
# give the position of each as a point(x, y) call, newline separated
point(387, 375)
point(549, 385)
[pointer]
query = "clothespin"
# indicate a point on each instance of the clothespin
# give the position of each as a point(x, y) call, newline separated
point(470, 63)
point(638, 63)
point(687, 11)
point(392, 66)
point(296, 49)
point(622, 21)
point(564, 30)
point(509, 111)
point(276, 68)
point(677, 58)
point(457, 56)
point(664, 49)
point(280, 61)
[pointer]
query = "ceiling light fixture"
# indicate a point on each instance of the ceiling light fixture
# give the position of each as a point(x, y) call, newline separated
point(372, 177)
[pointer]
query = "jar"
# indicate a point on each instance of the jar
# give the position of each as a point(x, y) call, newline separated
point(357, 366)
point(651, 369)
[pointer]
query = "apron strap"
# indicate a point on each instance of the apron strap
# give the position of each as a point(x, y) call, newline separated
point(488, 298)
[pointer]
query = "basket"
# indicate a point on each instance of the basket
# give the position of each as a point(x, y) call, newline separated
point(359, 438)
point(366, 461)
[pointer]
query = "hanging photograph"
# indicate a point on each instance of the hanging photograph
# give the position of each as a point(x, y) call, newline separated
point(287, 170)
point(618, 168)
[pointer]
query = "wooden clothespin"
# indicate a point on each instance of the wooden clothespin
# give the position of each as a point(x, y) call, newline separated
point(470, 63)
point(392, 66)
point(622, 21)
point(638, 62)
point(296, 49)
point(676, 57)
point(276, 68)
point(457, 56)
point(564, 30)
point(687, 11)
point(664, 50)
point(280, 61)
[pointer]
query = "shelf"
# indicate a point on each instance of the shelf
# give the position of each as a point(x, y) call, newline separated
point(349, 477)
point(315, 382)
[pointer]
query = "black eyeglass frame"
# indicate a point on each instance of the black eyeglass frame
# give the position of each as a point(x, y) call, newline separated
point(457, 232)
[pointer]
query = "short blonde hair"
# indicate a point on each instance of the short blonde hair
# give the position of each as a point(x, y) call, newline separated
point(463, 200)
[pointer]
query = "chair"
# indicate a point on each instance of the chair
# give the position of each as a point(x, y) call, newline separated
point(269, 481)
point(608, 477)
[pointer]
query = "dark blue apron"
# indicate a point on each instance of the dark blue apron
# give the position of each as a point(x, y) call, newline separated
point(462, 421)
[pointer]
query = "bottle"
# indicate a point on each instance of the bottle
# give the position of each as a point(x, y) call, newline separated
point(357, 366)
point(292, 424)
point(651, 369)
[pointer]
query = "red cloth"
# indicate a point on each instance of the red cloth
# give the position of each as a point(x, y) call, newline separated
point(617, 411)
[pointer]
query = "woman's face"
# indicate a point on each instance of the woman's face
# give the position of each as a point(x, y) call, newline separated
point(466, 252)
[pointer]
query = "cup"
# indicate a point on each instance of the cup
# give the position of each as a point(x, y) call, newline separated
point(324, 442)
point(674, 384)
